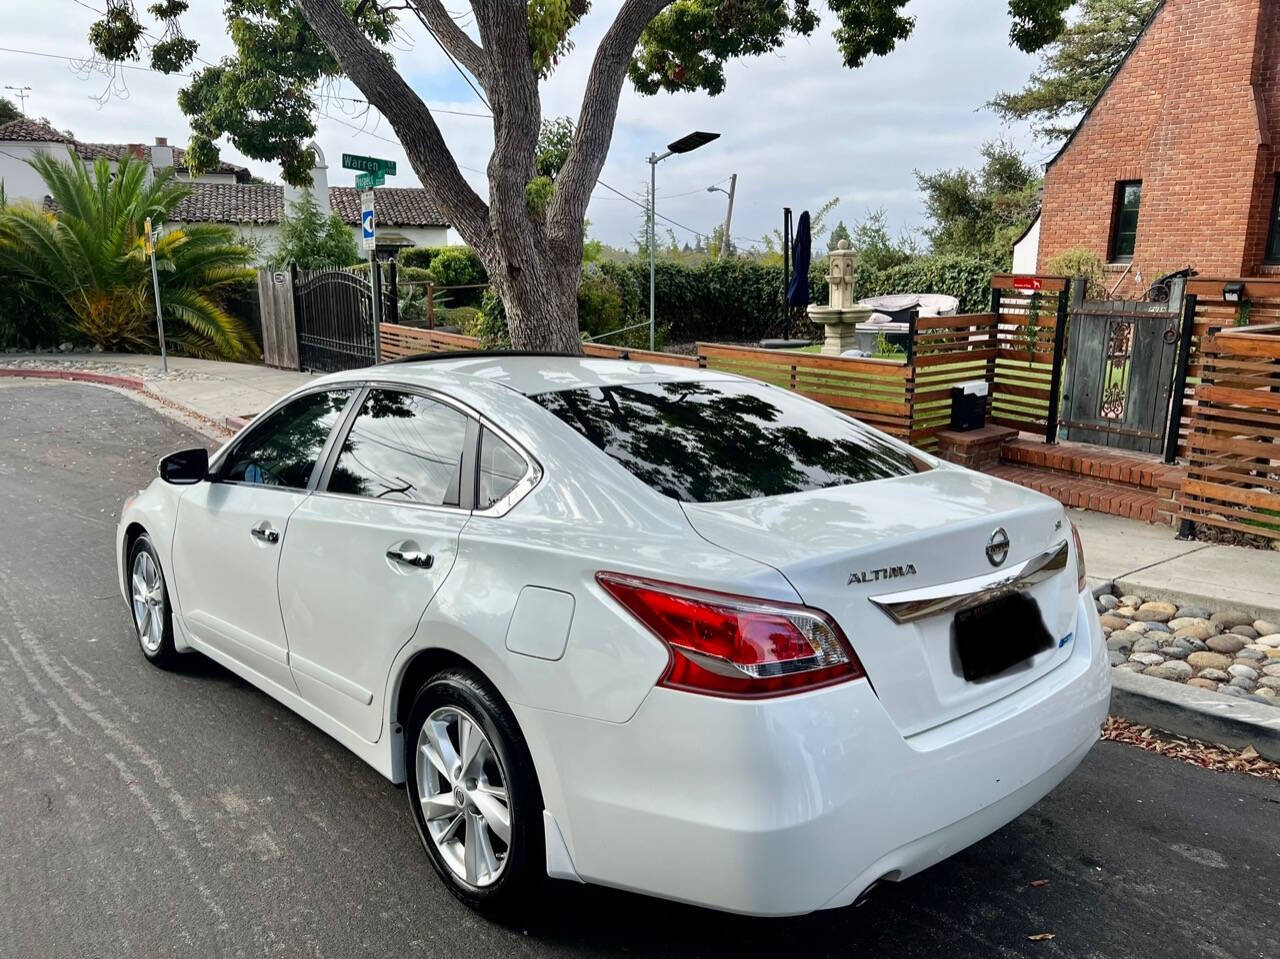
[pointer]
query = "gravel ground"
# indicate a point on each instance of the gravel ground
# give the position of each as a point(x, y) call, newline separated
point(85, 363)
point(1221, 650)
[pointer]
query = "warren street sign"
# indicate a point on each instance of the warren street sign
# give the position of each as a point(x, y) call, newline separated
point(369, 241)
point(353, 161)
point(367, 181)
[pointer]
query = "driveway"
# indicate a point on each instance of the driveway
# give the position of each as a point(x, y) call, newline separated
point(145, 813)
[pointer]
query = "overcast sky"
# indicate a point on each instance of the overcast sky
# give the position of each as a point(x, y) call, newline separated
point(797, 127)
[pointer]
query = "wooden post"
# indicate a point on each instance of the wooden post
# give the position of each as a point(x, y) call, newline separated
point(1178, 396)
point(1055, 378)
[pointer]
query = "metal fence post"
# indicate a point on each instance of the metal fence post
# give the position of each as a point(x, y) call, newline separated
point(297, 314)
point(393, 291)
point(1055, 378)
point(1178, 397)
point(375, 280)
point(431, 305)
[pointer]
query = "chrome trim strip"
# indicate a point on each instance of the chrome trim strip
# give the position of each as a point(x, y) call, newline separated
point(913, 604)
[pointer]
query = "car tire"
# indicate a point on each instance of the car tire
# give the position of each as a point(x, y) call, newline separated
point(149, 603)
point(465, 841)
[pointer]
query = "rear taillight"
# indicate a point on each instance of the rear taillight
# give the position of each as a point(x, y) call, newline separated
point(1075, 535)
point(727, 645)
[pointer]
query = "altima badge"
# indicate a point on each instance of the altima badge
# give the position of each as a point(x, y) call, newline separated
point(998, 547)
point(885, 572)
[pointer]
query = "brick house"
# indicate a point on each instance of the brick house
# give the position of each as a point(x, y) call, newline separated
point(1177, 162)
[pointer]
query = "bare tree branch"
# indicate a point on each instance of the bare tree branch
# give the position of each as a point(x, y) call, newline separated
point(416, 128)
point(594, 131)
point(469, 53)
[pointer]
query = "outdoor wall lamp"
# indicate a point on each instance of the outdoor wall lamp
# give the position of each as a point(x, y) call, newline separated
point(1233, 292)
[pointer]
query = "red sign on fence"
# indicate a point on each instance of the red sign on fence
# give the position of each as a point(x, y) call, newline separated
point(1027, 283)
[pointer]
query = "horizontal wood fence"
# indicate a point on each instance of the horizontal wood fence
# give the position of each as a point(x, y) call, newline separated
point(1030, 324)
point(401, 341)
point(878, 392)
point(1233, 474)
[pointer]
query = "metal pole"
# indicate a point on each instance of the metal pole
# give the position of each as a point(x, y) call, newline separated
point(155, 282)
point(375, 291)
point(1176, 401)
point(1055, 375)
point(728, 217)
point(653, 204)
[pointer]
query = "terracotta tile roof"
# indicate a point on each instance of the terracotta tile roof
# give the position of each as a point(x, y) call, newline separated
point(32, 131)
point(232, 203)
point(262, 203)
point(396, 206)
point(113, 151)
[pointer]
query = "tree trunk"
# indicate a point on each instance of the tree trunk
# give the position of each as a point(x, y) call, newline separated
point(541, 305)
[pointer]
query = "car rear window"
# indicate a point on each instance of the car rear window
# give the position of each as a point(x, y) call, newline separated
point(708, 442)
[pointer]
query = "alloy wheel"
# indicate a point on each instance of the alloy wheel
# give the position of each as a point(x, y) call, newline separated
point(148, 601)
point(463, 790)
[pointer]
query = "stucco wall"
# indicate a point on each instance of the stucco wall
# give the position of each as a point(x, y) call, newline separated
point(20, 181)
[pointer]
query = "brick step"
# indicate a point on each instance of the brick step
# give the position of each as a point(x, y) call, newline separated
point(1135, 470)
point(1084, 492)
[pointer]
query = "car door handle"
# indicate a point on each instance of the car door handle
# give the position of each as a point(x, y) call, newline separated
point(409, 554)
point(265, 533)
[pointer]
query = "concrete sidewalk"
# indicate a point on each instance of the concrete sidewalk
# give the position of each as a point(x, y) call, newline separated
point(1147, 560)
point(209, 389)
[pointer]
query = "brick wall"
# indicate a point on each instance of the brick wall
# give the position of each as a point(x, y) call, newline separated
point(1187, 114)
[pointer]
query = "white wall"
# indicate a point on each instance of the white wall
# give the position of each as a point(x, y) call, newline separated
point(1027, 250)
point(21, 182)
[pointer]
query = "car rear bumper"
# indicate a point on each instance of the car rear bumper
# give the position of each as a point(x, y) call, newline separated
point(785, 806)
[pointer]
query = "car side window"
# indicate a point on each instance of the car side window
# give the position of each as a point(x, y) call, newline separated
point(283, 449)
point(402, 447)
point(501, 468)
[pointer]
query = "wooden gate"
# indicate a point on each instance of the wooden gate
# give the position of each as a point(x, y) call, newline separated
point(333, 314)
point(1120, 366)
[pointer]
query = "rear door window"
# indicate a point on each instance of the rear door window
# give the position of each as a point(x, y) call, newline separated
point(404, 448)
point(501, 468)
point(708, 442)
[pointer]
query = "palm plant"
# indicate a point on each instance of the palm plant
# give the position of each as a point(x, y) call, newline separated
point(91, 253)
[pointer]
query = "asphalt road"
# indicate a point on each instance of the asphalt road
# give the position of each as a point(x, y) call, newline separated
point(150, 814)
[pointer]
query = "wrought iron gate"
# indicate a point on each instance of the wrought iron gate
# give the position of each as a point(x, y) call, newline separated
point(1120, 367)
point(333, 315)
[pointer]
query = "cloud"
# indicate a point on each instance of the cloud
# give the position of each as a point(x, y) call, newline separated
point(796, 126)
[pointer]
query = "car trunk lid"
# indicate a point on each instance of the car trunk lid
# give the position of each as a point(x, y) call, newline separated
point(843, 547)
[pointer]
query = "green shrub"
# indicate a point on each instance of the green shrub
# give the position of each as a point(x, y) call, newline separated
point(463, 317)
point(490, 323)
point(418, 256)
point(459, 266)
point(1080, 261)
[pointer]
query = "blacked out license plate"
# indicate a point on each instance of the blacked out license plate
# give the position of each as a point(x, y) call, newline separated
point(998, 635)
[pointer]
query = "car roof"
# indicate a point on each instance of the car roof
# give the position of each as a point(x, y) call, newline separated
point(531, 374)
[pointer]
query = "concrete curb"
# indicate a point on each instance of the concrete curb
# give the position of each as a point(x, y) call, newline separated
point(79, 376)
point(1181, 598)
point(132, 383)
point(1196, 713)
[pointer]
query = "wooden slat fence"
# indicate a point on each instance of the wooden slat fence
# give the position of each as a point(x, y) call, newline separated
point(876, 391)
point(948, 350)
point(400, 341)
point(1233, 475)
point(1022, 373)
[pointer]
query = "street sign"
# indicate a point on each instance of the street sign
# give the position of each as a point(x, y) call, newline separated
point(367, 181)
point(353, 161)
point(1027, 284)
point(367, 220)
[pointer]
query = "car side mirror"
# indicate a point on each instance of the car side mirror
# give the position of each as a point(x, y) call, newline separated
point(186, 467)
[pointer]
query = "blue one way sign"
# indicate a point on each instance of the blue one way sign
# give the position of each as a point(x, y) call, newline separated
point(367, 220)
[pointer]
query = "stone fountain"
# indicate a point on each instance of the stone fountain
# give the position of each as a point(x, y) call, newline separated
point(841, 316)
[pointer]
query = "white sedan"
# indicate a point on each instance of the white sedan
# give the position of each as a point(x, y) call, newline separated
point(663, 629)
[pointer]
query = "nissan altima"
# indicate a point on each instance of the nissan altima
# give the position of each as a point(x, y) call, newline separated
point(664, 629)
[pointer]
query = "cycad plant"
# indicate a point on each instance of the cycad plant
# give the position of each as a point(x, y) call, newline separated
point(90, 251)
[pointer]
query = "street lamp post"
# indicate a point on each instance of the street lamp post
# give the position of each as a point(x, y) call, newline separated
point(685, 144)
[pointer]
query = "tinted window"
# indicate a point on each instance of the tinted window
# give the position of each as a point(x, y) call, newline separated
point(404, 448)
point(501, 468)
point(1273, 231)
point(283, 450)
point(707, 442)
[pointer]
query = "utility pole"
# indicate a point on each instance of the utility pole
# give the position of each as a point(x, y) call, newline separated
point(21, 93)
point(155, 282)
point(728, 217)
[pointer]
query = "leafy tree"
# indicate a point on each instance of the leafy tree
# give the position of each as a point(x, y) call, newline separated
point(8, 112)
point(876, 249)
point(529, 234)
point(91, 255)
point(982, 212)
point(311, 239)
point(1076, 66)
point(841, 232)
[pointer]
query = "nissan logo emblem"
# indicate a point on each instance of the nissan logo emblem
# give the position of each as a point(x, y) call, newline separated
point(998, 547)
